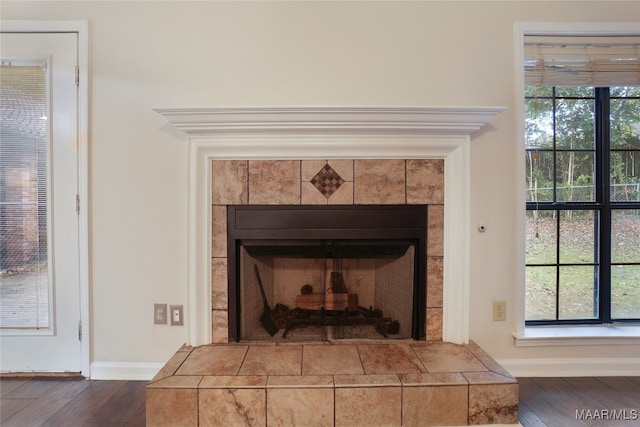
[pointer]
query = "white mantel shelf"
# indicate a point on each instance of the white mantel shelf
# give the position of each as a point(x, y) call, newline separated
point(311, 132)
point(203, 122)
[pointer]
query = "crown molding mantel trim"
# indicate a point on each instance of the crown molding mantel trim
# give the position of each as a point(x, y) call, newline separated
point(210, 122)
point(330, 133)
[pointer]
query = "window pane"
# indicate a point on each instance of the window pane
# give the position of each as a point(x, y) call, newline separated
point(575, 176)
point(24, 284)
point(541, 237)
point(574, 92)
point(625, 176)
point(577, 295)
point(577, 237)
point(538, 123)
point(539, 176)
point(625, 91)
point(625, 291)
point(625, 123)
point(533, 91)
point(625, 236)
point(540, 298)
point(574, 124)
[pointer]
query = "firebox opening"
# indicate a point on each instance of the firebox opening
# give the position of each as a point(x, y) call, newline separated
point(327, 290)
point(325, 273)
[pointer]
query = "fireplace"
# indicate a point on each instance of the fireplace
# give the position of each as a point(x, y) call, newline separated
point(253, 169)
point(318, 134)
point(326, 272)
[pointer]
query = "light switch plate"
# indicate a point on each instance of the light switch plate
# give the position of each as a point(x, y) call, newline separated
point(177, 315)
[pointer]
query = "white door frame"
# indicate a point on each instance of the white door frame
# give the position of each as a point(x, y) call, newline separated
point(82, 29)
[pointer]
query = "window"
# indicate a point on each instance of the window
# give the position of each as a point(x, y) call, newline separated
point(24, 256)
point(582, 136)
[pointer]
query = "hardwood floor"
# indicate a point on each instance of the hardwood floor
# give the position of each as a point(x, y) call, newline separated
point(544, 402)
point(76, 402)
point(555, 402)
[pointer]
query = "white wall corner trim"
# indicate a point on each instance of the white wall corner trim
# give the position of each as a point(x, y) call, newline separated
point(129, 371)
point(330, 133)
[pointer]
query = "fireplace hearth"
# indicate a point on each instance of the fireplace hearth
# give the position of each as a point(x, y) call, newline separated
point(282, 156)
point(326, 272)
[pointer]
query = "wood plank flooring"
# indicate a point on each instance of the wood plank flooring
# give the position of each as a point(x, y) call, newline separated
point(568, 402)
point(71, 402)
point(544, 402)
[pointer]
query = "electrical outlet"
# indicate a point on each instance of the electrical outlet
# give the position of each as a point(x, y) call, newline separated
point(177, 315)
point(160, 314)
point(500, 310)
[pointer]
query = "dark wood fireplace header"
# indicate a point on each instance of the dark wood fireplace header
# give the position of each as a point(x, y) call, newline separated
point(328, 222)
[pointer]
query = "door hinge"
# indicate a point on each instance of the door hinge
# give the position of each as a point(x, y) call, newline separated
point(77, 75)
point(77, 204)
point(79, 330)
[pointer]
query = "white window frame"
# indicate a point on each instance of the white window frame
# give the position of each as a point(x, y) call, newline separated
point(554, 335)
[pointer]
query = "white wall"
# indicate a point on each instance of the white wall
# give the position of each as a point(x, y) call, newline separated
point(147, 55)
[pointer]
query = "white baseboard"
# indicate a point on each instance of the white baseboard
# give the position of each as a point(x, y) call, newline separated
point(143, 371)
point(572, 367)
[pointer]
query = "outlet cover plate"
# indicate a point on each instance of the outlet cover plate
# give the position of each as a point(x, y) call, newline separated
point(500, 310)
point(160, 314)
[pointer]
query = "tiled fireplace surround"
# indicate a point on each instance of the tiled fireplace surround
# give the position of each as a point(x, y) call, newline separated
point(437, 382)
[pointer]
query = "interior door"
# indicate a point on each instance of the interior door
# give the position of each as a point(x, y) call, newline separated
point(46, 338)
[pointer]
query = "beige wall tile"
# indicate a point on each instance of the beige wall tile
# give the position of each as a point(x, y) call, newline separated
point(434, 281)
point(171, 366)
point(274, 182)
point(214, 360)
point(447, 357)
point(219, 231)
point(362, 406)
point(425, 181)
point(229, 182)
point(344, 168)
point(219, 326)
point(487, 360)
point(493, 404)
point(435, 406)
point(272, 360)
point(435, 230)
point(379, 182)
point(331, 359)
point(434, 324)
point(311, 196)
point(278, 183)
point(343, 195)
point(232, 407)
point(389, 358)
point(310, 168)
point(177, 382)
point(172, 407)
point(431, 379)
point(219, 286)
point(300, 407)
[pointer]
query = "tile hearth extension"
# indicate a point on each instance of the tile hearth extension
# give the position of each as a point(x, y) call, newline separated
point(373, 383)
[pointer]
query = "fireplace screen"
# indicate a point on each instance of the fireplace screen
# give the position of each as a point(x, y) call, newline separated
point(326, 273)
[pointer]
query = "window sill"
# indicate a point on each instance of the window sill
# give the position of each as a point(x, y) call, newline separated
point(541, 336)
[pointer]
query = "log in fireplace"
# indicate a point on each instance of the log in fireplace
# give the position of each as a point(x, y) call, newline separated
point(355, 271)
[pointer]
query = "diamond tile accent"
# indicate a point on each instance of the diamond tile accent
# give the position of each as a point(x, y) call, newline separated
point(327, 181)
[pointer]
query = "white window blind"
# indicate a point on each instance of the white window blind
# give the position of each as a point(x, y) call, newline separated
point(582, 61)
point(24, 284)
